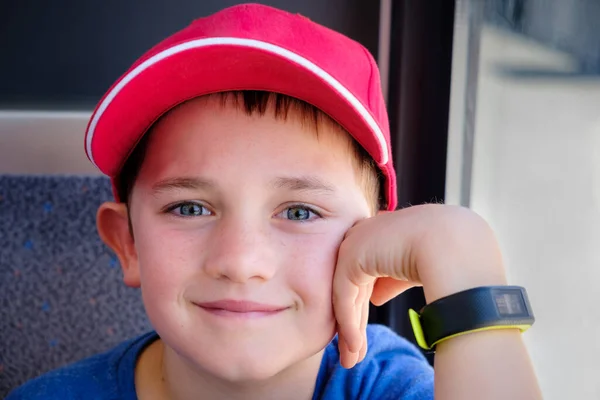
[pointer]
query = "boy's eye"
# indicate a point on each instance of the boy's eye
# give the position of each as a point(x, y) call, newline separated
point(189, 209)
point(300, 213)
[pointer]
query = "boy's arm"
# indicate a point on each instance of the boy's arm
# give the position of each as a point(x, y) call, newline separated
point(447, 250)
point(485, 365)
point(491, 364)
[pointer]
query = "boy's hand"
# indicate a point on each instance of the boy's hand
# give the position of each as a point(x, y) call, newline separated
point(446, 249)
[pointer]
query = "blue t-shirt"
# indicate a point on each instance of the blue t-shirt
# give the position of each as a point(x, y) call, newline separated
point(392, 369)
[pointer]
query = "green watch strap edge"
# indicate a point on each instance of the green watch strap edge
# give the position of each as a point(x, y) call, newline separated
point(415, 322)
point(521, 328)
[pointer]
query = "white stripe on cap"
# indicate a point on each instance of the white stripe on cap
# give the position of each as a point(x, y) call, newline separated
point(334, 83)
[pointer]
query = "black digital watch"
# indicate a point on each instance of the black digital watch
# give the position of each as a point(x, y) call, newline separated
point(472, 310)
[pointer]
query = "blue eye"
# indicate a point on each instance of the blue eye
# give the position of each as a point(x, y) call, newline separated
point(189, 209)
point(300, 213)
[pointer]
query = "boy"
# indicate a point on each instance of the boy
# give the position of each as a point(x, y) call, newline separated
point(252, 171)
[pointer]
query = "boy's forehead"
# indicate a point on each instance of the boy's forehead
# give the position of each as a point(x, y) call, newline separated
point(213, 126)
point(221, 112)
point(272, 105)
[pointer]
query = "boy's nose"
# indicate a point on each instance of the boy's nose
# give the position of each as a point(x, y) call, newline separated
point(241, 251)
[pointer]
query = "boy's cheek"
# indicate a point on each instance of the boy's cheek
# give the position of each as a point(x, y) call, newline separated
point(164, 262)
point(309, 270)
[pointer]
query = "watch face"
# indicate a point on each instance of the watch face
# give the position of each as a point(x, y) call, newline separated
point(510, 303)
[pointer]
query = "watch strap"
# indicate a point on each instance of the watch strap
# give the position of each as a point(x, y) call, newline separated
point(472, 310)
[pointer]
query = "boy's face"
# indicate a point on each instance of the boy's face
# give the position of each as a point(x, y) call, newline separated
point(237, 221)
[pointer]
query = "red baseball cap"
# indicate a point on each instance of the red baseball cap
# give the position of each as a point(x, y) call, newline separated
point(246, 47)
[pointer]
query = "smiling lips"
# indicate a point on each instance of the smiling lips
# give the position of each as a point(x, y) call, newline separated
point(240, 309)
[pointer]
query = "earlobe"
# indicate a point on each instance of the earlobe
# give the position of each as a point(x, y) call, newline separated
point(112, 222)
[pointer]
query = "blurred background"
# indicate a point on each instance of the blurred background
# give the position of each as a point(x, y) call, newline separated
point(493, 104)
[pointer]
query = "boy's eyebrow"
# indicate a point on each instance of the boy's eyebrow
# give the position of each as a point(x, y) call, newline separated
point(303, 183)
point(182, 183)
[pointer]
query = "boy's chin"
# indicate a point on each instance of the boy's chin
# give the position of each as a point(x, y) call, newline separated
point(253, 357)
point(240, 370)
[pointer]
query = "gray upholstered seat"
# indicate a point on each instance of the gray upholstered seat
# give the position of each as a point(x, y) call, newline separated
point(61, 293)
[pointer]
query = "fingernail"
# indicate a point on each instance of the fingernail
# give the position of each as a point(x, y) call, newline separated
point(357, 346)
point(354, 359)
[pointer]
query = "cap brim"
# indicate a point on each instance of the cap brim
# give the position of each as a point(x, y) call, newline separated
point(206, 66)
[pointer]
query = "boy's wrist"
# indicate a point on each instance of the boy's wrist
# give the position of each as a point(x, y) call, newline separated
point(461, 252)
point(478, 309)
point(452, 282)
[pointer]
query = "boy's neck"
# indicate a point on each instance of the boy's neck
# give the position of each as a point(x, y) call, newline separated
point(161, 374)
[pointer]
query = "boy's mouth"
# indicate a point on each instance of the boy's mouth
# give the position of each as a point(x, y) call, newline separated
point(240, 308)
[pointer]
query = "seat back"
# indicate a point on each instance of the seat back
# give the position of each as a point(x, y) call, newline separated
point(61, 292)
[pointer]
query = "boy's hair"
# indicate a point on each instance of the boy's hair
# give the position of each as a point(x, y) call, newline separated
point(259, 102)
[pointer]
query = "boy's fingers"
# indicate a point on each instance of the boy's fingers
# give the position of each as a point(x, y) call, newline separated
point(387, 288)
point(349, 288)
point(363, 328)
point(347, 358)
point(363, 351)
point(345, 314)
point(364, 315)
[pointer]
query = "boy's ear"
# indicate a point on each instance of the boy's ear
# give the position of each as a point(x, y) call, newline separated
point(112, 222)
